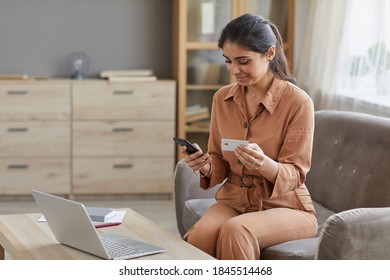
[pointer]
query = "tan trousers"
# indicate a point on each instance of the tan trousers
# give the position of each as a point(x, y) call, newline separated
point(226, 233)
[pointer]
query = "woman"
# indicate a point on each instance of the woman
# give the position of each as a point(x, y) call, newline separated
point(264, 200)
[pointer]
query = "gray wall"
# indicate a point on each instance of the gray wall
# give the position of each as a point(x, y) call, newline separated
point(36, 36)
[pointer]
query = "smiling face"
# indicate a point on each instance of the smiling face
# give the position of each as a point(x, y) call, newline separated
point(248, 67)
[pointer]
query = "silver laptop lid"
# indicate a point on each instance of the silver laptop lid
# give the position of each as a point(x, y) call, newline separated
point(70, 223)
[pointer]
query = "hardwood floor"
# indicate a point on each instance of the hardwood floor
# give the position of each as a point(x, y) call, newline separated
point(158, 209)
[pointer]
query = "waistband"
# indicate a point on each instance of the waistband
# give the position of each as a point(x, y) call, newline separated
point(246, 181)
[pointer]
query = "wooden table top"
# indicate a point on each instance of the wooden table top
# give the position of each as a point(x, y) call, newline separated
point(23, 237)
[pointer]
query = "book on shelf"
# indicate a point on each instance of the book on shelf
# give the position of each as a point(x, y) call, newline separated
point(132, 78)
point(136, 75)
point(203, 125)
point(197, 113)
point(100, 214)
point(126, 73)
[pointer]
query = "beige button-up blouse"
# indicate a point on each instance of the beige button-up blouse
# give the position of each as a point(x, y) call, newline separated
point(282, 127)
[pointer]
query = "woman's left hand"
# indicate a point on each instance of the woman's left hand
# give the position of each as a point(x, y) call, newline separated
point(252, 156)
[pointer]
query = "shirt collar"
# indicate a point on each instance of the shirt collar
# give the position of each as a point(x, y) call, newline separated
point(270, 101)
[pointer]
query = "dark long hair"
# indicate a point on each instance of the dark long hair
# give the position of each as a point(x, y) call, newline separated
point(258, 34)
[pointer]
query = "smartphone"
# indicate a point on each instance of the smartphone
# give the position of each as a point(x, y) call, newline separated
point(183, 142)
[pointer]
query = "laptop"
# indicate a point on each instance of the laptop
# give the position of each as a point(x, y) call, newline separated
point(72, 226)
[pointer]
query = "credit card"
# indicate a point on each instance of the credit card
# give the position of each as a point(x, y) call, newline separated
point(231, 144)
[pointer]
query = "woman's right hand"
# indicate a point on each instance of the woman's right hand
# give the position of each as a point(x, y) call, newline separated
point(197, 161)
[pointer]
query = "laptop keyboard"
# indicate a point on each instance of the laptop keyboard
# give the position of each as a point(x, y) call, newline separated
point(119, 250)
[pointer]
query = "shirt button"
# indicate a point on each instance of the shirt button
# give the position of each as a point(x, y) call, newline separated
point(245, 125)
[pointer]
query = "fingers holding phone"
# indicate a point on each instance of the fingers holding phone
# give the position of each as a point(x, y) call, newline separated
point(187, 146)
point(191, 152)
point(199, 162)
point(193, 155)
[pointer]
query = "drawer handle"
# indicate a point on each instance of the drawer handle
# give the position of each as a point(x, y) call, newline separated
point(123, 129)
point(17, 129)
point(122, 165)
point(18, 92)
point(123, 92)
point(18, 166)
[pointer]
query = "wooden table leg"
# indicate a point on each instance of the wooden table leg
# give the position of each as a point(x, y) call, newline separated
point(2, 253)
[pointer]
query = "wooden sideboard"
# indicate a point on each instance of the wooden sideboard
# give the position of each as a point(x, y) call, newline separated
point(87, 137)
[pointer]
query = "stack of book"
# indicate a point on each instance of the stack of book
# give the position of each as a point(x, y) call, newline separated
point(128, 75)
point(22, 77)
point(14, 77)
point(197, 117)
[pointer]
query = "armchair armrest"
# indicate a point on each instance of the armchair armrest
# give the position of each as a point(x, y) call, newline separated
point(357, 234)
point(186, 187)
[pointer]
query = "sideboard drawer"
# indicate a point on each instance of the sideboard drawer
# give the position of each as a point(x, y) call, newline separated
point(19, 176)
point(123, 138)
point(34, 102)
point(123, 175)
point(138, 101)
point(43, 138)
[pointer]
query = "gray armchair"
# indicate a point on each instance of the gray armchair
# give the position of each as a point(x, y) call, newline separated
point(349, 182)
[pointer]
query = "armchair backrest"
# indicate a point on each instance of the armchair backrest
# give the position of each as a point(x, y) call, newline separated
point(351, 160)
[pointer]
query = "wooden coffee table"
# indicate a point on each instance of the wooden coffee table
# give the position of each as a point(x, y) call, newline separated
point(24, 238)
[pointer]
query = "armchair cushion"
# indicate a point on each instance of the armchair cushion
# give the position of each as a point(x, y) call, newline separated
point(302, 249)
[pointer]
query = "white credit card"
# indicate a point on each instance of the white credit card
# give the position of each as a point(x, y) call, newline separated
point(231, 144)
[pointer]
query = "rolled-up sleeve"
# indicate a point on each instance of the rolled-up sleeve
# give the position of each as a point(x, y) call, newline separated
point(294, 159)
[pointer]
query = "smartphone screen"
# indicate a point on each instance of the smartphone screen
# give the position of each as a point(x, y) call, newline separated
point(183, 142)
